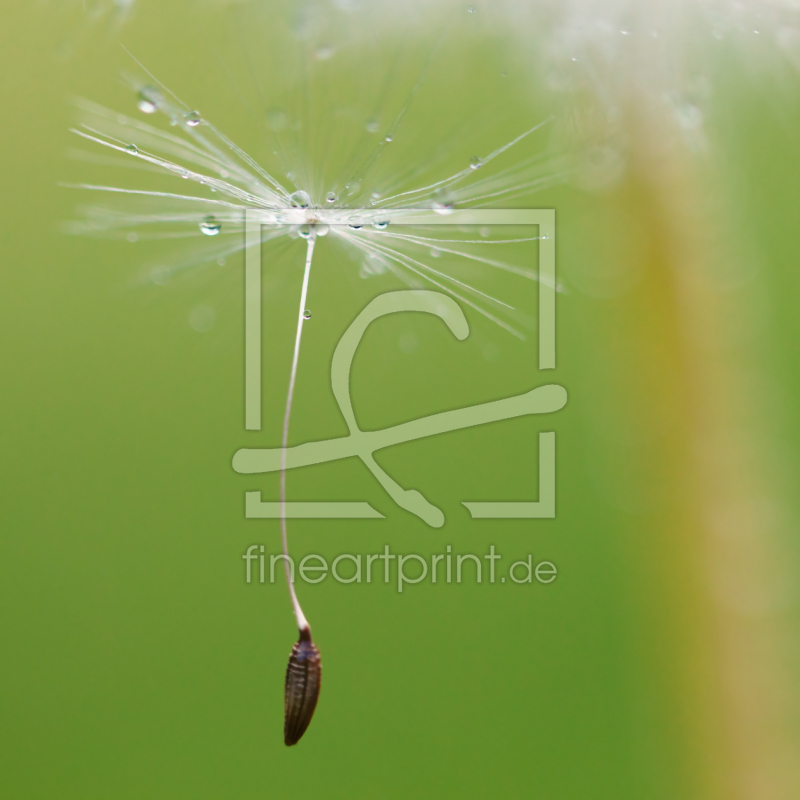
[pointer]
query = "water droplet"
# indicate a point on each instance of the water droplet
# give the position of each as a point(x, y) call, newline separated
point(221, 261)
point(376, 195)
point(304, 231)
point(330, 197)
point(355, 222)
point(132, 149)
point(435, 253)
point(193, 119)
point(485, 232)
point(475, 162)
point(306, 314)
point(324, 52)
point(322, 229)
point(210, 226)
point(380, 224)
point(132, 237)
point(389, 137)
point(472, 9)
point(149, 100)
point(301, 199)
point(443, 202)
point(372, 126)
point(184, 173)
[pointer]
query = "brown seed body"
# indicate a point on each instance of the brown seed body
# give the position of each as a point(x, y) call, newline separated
point(303, 680)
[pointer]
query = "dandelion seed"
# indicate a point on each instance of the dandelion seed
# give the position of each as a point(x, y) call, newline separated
point(204, 157)
point(301, 691)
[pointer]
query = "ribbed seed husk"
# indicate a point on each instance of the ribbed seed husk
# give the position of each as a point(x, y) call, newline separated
point(303, 680)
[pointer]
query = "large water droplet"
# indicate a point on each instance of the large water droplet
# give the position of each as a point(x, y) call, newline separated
point(443, 202)
point(380, 224)
point(321, 229)
point(304, 231)
point(149, 100)
point(331, 197)
point(355, 222)
point(475, 162)
point(132, 149)
point(301, 199)
point(306, 314)
point(210, 226)
point(193, 119)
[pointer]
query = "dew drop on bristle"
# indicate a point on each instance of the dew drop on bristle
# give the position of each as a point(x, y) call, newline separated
point(132, 149)
point(210, 226)
point(193, 119)
point(330, 197)
point(301, 199)
point(472, 9)
point(304, 231)
point(306, 314)
point(443, 202)
point(355, 222)
point(389, 137)
point(381, 224)
point(475, 162)
point(148, 101)
point(321, 229)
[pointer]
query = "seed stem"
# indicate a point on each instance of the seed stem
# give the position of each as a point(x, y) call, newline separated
point(302, 622)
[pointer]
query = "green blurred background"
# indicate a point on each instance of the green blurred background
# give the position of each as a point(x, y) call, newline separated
point(135, 660)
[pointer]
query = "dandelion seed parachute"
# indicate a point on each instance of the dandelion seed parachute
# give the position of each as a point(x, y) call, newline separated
point(215, 182)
